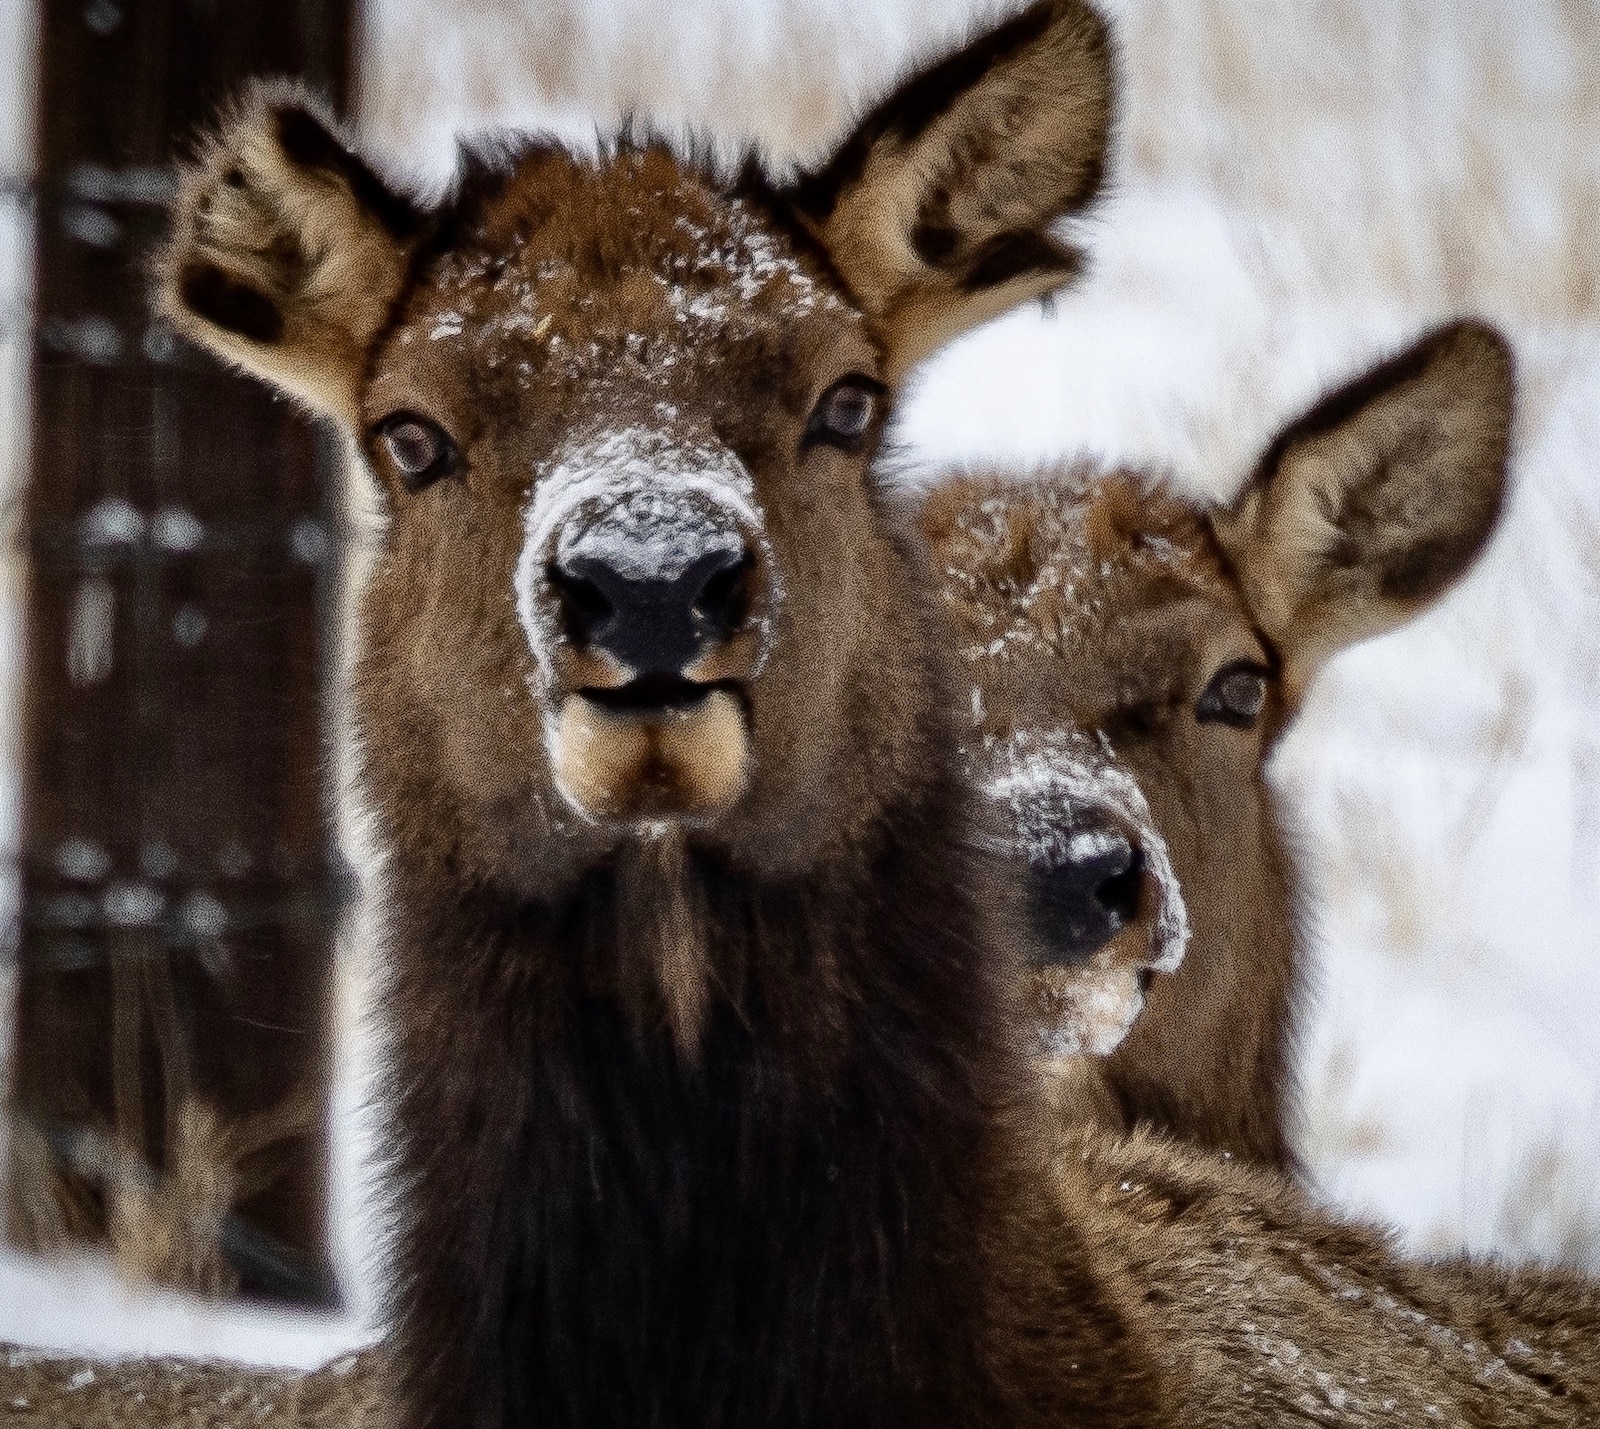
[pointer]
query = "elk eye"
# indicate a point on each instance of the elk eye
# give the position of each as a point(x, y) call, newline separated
point(1236, 696)
point(419, 449)
point(845, 412)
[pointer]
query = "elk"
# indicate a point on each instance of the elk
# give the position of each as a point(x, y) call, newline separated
point(699, 1067)
point(706, 1104)
point(1132, 662)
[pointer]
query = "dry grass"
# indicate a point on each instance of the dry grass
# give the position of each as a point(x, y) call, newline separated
point(46, 1392)
point(1444, 152)
point(168, 1226)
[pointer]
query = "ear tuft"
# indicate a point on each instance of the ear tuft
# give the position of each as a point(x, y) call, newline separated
point(938, 209)
point(287, 250)
point(1367, 508)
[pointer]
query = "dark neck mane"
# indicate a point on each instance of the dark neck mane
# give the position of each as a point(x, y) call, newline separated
point(596, 1230)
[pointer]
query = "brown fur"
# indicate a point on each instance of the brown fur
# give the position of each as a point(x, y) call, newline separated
point(1267, 1313)
point(709, 1112)
point(699, 1066)
point(1105, 606)
point(1274, 1314)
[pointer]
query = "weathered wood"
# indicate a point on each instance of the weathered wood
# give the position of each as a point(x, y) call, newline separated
point(178, 881)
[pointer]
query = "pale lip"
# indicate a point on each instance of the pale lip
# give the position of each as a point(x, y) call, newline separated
point(1089, 1008)
point(679, 752)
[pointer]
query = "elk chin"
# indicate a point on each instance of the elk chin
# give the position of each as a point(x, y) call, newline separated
point(1087, 1010)
point(686, 761)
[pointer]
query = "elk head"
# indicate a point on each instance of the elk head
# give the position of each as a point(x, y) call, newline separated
point(1133, 660)
point(622, 410)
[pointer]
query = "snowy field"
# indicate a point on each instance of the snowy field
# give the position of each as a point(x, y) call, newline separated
point(1297, 187)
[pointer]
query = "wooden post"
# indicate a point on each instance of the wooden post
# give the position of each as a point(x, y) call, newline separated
point(179, 886)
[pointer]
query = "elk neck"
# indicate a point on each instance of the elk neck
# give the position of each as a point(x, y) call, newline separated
point(794, 1182)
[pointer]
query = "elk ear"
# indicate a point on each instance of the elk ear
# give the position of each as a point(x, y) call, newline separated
point(937, 211)
point(287, 250)
point(1368, 507)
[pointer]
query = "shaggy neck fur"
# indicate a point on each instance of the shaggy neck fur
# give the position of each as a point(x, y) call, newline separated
point(774, 1229)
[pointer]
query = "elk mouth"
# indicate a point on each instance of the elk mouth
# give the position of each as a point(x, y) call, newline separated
point(662, 695)
point(658, 748)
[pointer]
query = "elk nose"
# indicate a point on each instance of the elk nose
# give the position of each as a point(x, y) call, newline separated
point(1079, 903)
point(652, 624)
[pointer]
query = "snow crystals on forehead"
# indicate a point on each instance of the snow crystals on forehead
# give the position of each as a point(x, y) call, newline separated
point(1041, 533)
point(716, 276)
point(741, 261)
point(984, 575)
point(487, 305)
point(1058, 787)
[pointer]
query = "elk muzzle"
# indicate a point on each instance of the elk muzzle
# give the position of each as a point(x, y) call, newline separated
point(1103, 902)
point(645, 587)
point(655, 623)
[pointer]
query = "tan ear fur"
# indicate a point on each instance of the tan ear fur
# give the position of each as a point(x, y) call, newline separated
point(1367, 508)
point(937, 210)
point(286, 250)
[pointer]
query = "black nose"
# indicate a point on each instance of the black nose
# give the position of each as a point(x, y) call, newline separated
point(653, 625)
point(1080, 903)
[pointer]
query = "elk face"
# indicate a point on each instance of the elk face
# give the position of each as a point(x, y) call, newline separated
point(623, 411)
point(1098, 621)
point(1133, 661)
point(633, 399)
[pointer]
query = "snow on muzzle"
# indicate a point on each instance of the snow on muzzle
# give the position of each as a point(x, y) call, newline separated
point(646, 589)
point(1104, 903)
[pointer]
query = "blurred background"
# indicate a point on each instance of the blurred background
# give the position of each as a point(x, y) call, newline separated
point(1296, 188)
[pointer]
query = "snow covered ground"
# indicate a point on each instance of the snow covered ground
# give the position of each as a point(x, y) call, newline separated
point(1298, 187)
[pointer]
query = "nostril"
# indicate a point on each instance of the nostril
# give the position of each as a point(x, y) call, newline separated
point(1082, 901)
point(1119, 894)
point(721, 606)
point(585, 608)
point(647, 608)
